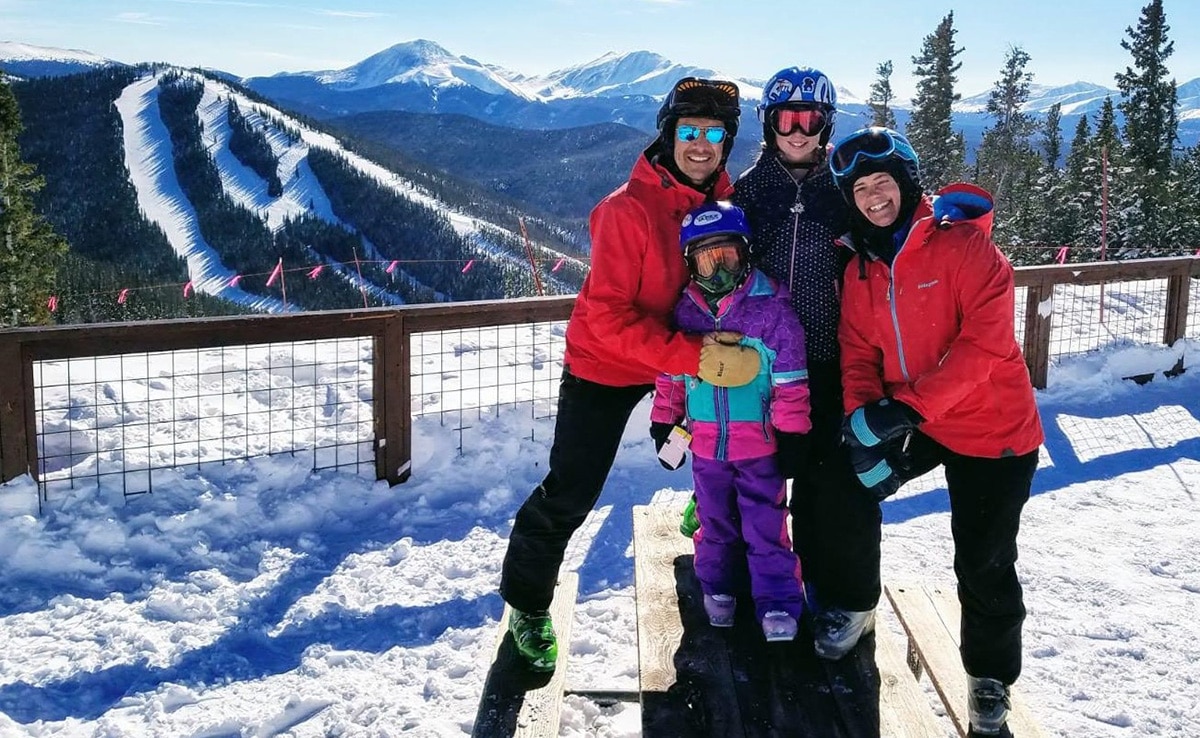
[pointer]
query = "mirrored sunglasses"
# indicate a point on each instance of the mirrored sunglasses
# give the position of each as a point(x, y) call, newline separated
point(708, 259)
point(712, 134)
point(809, 121)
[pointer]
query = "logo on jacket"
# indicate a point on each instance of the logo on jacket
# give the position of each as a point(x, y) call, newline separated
point(928, 284)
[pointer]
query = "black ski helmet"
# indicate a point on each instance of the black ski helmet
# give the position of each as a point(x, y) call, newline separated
point(700, 98)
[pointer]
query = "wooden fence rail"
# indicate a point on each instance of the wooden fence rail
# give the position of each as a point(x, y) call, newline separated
point(391, 330)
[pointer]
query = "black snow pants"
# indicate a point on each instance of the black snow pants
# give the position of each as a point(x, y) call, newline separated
point(986, 499)
point(587, 432)
point(835, 522)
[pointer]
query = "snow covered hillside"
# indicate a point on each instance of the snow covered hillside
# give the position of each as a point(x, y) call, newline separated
point(148, 157)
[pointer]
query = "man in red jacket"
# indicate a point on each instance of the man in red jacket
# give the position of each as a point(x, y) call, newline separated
point(933, 375)
point(619, 339)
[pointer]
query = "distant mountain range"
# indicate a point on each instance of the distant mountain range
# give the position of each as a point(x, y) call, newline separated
point(423, 77)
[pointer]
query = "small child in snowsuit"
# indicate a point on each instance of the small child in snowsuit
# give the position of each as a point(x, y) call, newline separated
point(741, 495)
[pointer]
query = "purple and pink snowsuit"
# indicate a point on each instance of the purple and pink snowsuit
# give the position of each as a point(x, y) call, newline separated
point(740, 494)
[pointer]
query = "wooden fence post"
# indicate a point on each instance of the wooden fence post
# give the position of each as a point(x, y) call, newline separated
point(393, 402)
point(17, 457)
point(1039, 310)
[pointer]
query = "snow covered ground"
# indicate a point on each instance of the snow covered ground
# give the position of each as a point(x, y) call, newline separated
point(259, 599)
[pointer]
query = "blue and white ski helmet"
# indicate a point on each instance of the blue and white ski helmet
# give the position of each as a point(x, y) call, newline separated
point(793, 86)
point(719, 218)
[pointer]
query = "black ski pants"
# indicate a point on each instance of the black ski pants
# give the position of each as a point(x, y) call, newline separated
point(836, 524)
point(986, 499)
point(587, 432)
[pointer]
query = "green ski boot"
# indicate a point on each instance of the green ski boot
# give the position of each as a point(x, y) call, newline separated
point(690, 523)
point(534, 636)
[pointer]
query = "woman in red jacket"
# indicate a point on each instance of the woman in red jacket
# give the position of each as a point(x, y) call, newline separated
point(933, 375)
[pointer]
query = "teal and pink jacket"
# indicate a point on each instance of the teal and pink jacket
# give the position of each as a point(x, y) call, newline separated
point(735, 423)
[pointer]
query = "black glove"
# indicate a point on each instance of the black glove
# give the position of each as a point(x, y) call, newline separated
point(873, 470)
point(877, 422)
point(791, 454)
point(660, 432)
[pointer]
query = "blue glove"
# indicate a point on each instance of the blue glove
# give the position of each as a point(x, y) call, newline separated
point(953, 207)
point(874, 472)
point(877, 422)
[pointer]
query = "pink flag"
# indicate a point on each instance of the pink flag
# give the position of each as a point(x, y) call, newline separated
point(123, 296)
point(188, 290)
point(52, 303)
point(392, 267)
point(317, 270)
point(233, 282)
point(275, 272)
point(558, 264)
point(1062, 255)
point(470, 264)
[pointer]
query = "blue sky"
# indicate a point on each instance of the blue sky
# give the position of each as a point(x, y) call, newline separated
point(745, 38)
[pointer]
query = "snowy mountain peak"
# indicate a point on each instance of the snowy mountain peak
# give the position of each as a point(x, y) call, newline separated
point(421, 62)
point(1077, 97)
point(619, 74)
point(28, 60)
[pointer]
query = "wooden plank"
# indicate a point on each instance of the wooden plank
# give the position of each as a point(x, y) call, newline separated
point(656, 544)
point(930, 617)
point(683, 663)
point(904, 709)
point(520, 702)
point(1098, 272)
point(1020, 720)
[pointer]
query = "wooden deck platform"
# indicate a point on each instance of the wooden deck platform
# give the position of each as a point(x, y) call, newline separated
point(699, 681)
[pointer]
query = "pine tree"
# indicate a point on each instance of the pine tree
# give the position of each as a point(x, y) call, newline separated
point(30, 250)
point(1005, 159)
point(1081, 210)
point(882, 97)
point(929, 129)
point(1052, 136)
point(1053, 222)
point(1151, 128)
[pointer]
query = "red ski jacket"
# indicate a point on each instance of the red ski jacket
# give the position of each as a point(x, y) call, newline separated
point(935, 330)
point(620, 329)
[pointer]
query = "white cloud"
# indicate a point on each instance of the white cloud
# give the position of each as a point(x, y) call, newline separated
point(142, 19)
point(348, 13)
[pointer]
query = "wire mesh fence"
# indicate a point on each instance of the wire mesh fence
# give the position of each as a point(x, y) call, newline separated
point(120, 419)
point(113, 405)
point(459, 376)
point(1089, 318)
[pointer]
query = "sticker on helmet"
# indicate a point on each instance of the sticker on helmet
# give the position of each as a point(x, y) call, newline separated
point(687, 220)
point(781, 90)
point(704, 219)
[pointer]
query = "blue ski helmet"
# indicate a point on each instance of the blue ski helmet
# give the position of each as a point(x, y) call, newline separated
point(715, 270)
point(798, 86)
point(720, 218)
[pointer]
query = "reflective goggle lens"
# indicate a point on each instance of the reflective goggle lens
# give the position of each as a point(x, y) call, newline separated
point(809, 121)
point(687, 134)
point(871, 145)
point(707, 260)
